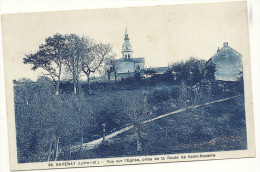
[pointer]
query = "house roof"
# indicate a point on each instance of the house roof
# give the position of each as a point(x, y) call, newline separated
point(228, 63)
point(225, 49)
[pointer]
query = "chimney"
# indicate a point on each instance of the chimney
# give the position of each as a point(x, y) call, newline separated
point(218, 49)
point(225, 44)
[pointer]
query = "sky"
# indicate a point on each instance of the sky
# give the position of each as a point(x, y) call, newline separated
point(161, 34)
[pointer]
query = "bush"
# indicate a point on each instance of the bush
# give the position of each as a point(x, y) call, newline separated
point(162, 94)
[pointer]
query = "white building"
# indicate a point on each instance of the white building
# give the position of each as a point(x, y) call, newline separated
point(127, 64)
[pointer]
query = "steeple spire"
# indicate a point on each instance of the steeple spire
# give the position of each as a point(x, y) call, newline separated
point(127, 51)
point(126, 35)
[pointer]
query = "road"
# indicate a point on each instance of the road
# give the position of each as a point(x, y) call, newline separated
point(95, 143)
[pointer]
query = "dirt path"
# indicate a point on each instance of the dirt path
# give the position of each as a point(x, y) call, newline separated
point(95, 143)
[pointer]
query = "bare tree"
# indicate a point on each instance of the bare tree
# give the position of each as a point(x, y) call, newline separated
point(95, 59)
point(190, 98)
point(77, 50)
point(110, 68)
point(137, 110)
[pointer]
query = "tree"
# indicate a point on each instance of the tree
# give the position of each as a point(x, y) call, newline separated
point(210, 69)
point(82, 115)
point(195, 70)
point(95, 59)
point(23, 91)
point(40, 116)
point(189, 99)
point(110, 68)
point(138, 111)
point(77, 49)
point(50, 57)
point(190, 71)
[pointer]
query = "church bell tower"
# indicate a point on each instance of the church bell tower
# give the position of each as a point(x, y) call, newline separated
point(127, 51)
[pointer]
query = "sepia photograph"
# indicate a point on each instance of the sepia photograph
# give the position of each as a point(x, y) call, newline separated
point(133, 85)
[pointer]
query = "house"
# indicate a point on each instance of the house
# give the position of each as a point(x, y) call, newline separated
point(227, 64)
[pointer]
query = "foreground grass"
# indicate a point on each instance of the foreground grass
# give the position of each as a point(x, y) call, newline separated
point(221, 127)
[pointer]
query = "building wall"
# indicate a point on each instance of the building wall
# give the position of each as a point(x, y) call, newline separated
point(140, 64)
point(124, 67)
point(127, 66)
point(228, 64)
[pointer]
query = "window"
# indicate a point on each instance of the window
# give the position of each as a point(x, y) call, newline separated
point(138, 68)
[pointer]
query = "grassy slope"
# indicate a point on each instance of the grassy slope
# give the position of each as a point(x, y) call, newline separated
point(217, 127)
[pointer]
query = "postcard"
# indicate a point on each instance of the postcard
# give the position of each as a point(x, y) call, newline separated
point(126, 86)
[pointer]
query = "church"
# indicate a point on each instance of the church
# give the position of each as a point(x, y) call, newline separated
point(127, 64)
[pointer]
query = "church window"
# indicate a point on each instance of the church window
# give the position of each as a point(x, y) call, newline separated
point(138, 68)
point(129, 56)
point(125, 56)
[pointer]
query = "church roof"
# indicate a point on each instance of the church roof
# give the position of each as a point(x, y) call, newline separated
point(138, 60)
point(134, 60)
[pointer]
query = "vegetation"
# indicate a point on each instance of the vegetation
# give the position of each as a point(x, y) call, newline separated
point(47, 123)
point(53, 116)
point(77, 54)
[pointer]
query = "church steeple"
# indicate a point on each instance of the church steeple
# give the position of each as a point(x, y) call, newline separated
point(127, 51)
point(126, 35)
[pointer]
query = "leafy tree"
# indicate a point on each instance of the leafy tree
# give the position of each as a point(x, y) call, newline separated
point(190, 71)
point(210, 69)
point(50, 57)
point(48, 124)
point(23, 91)
point(178, 71)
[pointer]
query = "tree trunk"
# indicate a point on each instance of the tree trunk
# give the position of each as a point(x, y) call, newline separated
point(108, 76)
point(75, 85)
point(115, 76)
point(73, 74)
point(81, 144)
point(138, 138)
point(58, 81)
point(57, 149)
point(82, 138)
point(104, 133)
point(77, 74)
point(78, 87)
point(89, 88)
point(49, 153)
point(57, 88)
point(75, 89)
